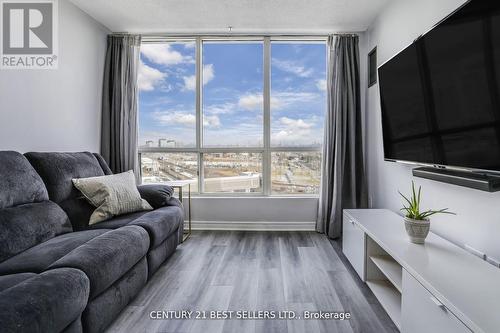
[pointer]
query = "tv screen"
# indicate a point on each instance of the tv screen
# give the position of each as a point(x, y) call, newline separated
point(440, 96)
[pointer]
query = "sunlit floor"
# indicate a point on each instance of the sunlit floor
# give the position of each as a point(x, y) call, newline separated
point(281, 274)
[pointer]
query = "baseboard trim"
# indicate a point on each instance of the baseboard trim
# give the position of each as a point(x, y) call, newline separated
point(253, 225)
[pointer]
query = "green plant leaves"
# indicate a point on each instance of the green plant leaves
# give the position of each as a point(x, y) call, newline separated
point(412, 210)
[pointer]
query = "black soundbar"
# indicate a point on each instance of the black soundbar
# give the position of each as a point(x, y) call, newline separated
point(479, 181)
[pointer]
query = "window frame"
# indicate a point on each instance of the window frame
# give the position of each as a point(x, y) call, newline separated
point(267, 149)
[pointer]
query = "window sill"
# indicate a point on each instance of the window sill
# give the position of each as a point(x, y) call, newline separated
point(249, 196)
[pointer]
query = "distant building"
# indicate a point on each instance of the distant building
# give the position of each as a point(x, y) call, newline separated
point(149, 143)
point(150, 167)
point(164, 143)
point(247, 182)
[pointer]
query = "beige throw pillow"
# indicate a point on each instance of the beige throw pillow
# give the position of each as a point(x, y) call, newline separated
point(112, 195)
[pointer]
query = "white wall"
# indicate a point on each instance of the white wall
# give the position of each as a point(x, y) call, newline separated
point(60, 111)
point(478, 221)
point(254, 213)
point(57, 110)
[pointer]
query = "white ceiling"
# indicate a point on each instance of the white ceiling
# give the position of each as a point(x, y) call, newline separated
point(246, 16)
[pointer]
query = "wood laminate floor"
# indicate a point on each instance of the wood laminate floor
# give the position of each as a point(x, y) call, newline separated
point(255, 271)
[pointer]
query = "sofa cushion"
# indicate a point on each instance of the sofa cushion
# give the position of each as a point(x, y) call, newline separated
point(79, 211)
point(107, 257)
point(25, 226)
point(41, 256)
point(57, 170)
point(103, 164)
point(159, 223)
point(112, 195)
point(19, 182)
point(74, 327)
point(159, 254)
point(118, 221)
point(7, 281)
point(102, 309)
point(47, 302)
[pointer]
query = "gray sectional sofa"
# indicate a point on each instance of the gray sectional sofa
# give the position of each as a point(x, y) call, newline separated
point(57, 274)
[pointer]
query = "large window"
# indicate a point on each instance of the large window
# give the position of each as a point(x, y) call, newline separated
point(232, 172)
point(161, 167)
point(233, 116)
point(232, 102)
point(167, 100)
point(298, 102)
point(296, 172)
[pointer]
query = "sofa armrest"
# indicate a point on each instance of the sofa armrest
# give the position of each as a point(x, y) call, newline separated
point(47, 302)
point(174, 202)
point(158, 195)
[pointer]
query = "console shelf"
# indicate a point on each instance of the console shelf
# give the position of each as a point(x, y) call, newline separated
point(432, 287)
point(391, 269)
point(389, 297)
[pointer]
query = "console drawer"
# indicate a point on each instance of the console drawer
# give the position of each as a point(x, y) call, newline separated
point(422, 312)
point(353, 245)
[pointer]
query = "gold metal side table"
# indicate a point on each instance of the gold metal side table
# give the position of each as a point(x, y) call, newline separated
point(179, 185)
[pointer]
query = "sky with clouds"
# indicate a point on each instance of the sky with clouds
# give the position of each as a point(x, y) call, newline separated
point(232, 93)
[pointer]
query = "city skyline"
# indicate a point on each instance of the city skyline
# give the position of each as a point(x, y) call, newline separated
point(291, 172)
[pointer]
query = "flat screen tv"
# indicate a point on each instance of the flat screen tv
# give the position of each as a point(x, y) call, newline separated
point(440, 96)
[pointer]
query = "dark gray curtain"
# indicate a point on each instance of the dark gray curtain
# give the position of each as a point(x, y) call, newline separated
point(119, 104)
point(343, 183)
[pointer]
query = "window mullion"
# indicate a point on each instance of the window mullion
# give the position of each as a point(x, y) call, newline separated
point(266, 157)
point(201, 173)
point(199, 114)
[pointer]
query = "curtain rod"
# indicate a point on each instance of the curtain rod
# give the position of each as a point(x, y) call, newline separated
point(185, 35)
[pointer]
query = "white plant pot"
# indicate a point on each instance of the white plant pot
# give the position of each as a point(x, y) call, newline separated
point(417, 230)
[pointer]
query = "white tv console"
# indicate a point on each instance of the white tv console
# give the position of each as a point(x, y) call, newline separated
point(436, 287)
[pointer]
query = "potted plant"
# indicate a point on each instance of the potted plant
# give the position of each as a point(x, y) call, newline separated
point(417, 223)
